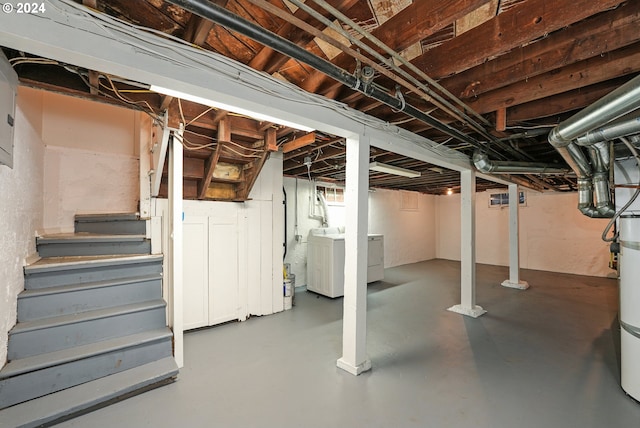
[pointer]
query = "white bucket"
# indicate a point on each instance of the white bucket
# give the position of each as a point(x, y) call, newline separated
point(288, 294)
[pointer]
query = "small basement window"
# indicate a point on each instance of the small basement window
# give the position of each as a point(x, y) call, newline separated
point(502, 199)
point(334, 195)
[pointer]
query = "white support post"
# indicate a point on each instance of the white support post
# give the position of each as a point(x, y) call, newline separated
point(144, 124)
point(176, 243)
point(468, 247)
point(514, 249)
point(354, 331)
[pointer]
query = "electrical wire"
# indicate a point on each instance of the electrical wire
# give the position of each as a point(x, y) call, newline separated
point(195, 57)
point(635, 154)
point(127, 100)
point(199, 116)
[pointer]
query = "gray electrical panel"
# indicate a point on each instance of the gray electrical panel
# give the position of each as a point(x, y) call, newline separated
point(8, 93)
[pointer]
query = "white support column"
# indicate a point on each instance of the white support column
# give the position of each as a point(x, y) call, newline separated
point(143, 125)
point(354, 331)
point(514, 248)
point(468, 247)
point(175, 247)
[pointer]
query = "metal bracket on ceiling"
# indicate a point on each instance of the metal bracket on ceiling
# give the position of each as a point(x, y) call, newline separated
point(400, 97)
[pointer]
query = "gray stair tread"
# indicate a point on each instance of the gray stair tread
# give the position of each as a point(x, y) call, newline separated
point(37, 362)
point(80, 398)
point(89, 218)
point(69, 262)
point(85, 316)
point(68, 238)
point(85, 286)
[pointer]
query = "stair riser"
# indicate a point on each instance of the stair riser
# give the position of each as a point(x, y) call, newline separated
point(40, 341)
point(43, 279)
point(60, 406)
point(50, 305)
point(48, 380)
point(93, 248)
point(121, 227)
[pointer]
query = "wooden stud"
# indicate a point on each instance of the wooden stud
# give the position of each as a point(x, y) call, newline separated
point(94, 82)
point(300, 142)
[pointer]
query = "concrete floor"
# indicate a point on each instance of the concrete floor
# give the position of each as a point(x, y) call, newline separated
point(544, 357)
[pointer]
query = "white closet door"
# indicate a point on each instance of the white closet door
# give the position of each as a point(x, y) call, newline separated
point(195, 272)
point(223, 270)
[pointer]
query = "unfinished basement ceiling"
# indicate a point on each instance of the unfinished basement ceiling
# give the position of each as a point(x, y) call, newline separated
point(488, 75)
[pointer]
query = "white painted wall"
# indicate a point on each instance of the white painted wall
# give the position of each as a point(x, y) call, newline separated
point(409, 235)
point(91, 161)
point(554, 235)
point(20, 207)
point(77, 123)
point(297, 250)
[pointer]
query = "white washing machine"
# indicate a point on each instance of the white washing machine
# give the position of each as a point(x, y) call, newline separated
point(325, 260)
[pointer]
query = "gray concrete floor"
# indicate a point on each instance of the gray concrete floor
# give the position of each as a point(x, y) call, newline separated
point(544, 357)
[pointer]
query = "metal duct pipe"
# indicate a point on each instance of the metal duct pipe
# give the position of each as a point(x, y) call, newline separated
point(575, 158)
point(610, 132)
point(484, 164)
point(613, 105)
point(602, 195)
point(227, 19)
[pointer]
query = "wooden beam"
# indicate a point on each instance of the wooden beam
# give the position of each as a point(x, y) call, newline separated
point(252, 175)
point(197, 30)
point(292, 155)
point(203, 184)
point(520, 24)
point(224, 135)
point(299, 142)
point(603, 33)
point(270, 142)
point(561, 103)
point(417, 21)
point(93, 4)
point(501, 119)
point(614, 64)
point(269, 60)
point(165, 102)
point(242, 126)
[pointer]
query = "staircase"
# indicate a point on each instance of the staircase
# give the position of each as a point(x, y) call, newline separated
point(91, 324)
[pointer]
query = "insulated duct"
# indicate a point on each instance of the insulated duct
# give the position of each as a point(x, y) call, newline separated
point(610, 107)
point(229, 20)
point(484, 164)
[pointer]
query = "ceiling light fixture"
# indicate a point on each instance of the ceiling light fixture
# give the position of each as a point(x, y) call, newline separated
point(449, 191)
point(216, 104)
point(395, 170)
